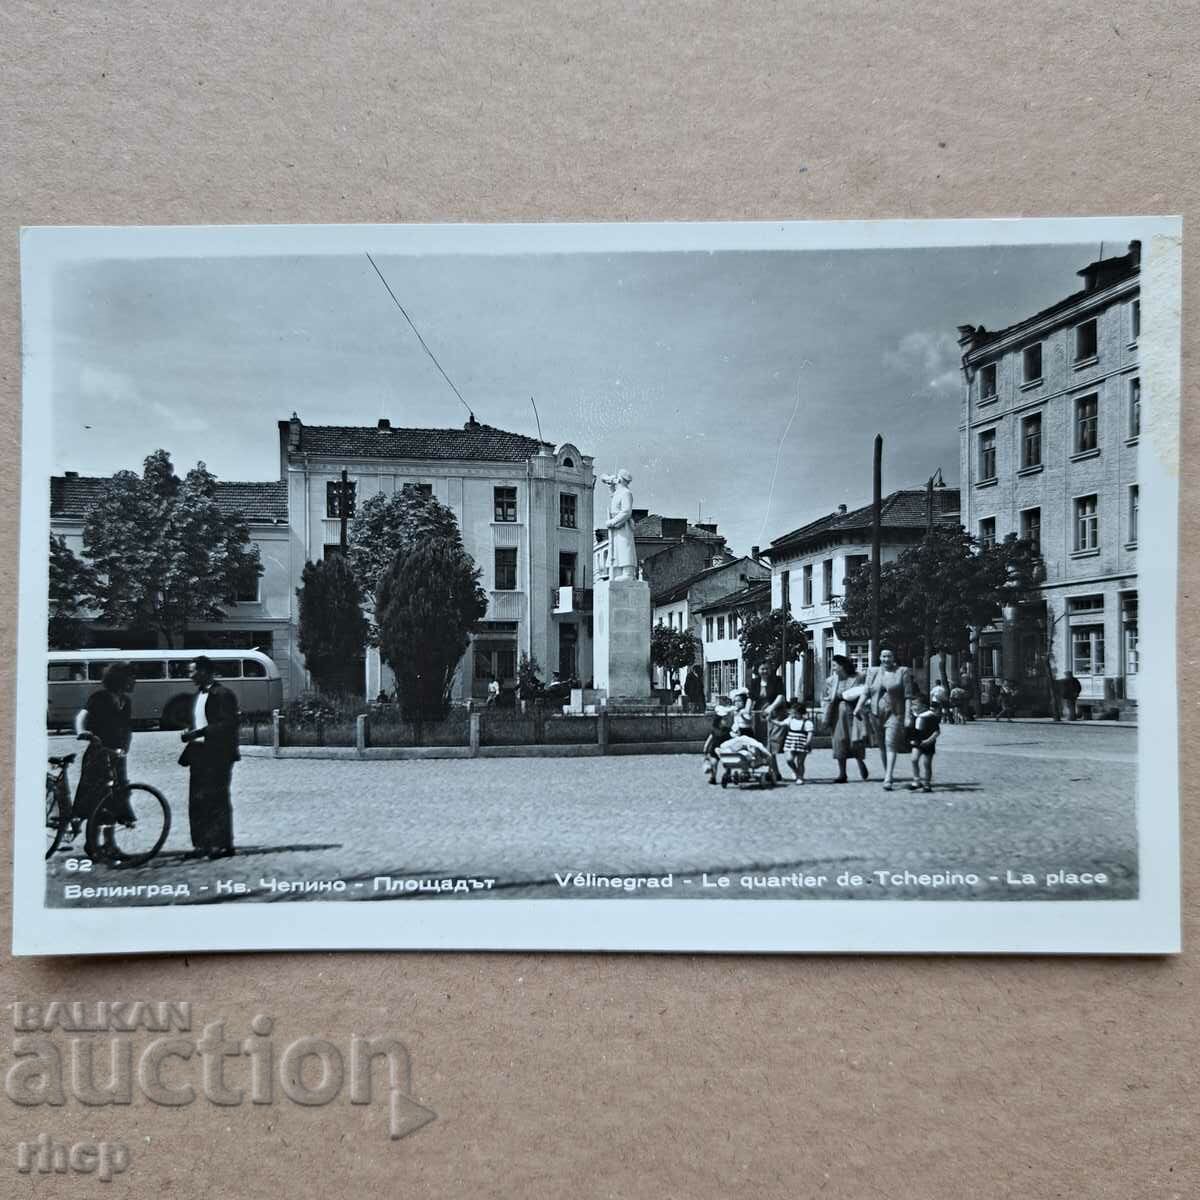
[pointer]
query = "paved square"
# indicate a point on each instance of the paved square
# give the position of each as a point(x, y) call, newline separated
point(1011, 801)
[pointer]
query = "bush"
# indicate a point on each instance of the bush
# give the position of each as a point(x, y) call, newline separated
point(311, 710)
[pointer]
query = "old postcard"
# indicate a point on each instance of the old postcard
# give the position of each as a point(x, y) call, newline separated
point(764, 587)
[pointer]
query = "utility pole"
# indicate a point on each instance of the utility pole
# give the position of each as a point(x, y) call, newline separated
point(876, 518)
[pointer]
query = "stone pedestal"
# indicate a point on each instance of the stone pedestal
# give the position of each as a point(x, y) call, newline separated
point(621, 651)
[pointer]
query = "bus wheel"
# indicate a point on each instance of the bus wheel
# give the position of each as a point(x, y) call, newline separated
point(177, 713)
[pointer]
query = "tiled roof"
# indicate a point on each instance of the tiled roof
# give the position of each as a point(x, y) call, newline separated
point(74, 496)
point(474, 443)
point(753, 594)
point(650, 526)
point(679, 590)
point(904, 509)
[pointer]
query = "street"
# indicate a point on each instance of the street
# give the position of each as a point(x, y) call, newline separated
point(1019, 811)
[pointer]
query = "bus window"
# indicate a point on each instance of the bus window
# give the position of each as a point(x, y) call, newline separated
point(226, 668)
point(252, 669)
point(96, 670)
point(60, 672)
point(148, 670)
point(179, 668)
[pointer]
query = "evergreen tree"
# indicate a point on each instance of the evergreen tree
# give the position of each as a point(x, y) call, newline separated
point(427, 603)
point(71, 581)
point(333, 630)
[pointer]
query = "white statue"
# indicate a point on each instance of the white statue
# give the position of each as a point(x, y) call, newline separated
point(622, 549)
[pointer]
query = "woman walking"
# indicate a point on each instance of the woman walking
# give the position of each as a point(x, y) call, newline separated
point(849, 733)
point(887, 695)
point(106, 724)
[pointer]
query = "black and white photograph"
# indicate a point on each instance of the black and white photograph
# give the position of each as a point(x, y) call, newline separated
point(794, 586)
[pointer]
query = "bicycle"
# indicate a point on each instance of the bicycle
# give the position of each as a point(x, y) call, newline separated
point(127, 825)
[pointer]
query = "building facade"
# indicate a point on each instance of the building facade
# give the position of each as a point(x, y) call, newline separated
point(681, 605)
point(524, 508)
point(811, 567)
point(262, 617)
point(1049, 443)
point(720, 624)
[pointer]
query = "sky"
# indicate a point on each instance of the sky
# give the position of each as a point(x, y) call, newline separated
point(742, 387)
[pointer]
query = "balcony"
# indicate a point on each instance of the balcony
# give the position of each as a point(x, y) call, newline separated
point(565, 600)
point(505, 605)
point(835, 606)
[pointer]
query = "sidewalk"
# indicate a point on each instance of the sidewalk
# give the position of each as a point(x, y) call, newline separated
point(1080, 724)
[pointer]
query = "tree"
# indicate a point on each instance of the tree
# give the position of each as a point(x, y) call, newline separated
point(762, 637)
point(385, 526)
point(529, 682)
point(427, 604)
point(941, 590)
point(333, 629)
point(71, 581)
point(163, 552)
point(673, 649)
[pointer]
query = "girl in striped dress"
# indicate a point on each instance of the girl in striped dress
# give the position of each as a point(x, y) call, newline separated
point(799, 738)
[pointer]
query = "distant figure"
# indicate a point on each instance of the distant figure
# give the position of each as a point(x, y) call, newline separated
point(717, 735)
point(742, 716)
point(1006, 698)
point(939, 699)
point(105, 723)
point(693, 689)
point(1071, 687)
point(800, 729)
point(771, 702)
point(493, 692)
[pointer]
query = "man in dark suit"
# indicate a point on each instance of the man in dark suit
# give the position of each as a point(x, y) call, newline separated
point(209, 752)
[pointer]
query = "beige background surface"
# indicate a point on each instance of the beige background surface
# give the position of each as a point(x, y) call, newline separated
point(623, 1076)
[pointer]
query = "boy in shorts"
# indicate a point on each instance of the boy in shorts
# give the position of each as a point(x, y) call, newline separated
point(923, 736)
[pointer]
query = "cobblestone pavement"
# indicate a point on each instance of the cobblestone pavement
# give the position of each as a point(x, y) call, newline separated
point(1030, 801)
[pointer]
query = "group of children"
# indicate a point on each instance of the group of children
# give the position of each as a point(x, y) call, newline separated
point(733, 726)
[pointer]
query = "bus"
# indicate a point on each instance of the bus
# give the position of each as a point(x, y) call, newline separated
point(164, 695)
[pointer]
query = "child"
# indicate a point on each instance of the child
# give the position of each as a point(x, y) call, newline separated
point(799, 738)
point(923, 737)
point(721, 725)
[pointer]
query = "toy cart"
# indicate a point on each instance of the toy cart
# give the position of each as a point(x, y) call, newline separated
point(746, 768)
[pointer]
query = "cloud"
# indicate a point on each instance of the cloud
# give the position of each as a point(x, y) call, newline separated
point(929, 360)
point(110, 390)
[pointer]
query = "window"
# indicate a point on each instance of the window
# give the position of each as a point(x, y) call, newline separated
point(827, 578)
point(247, 590)
point(179, 668)
point(720, 629)
point(566, 510)
point(225, 668)
point(734, 622)
point(807, 585)
point(1087, 649)
point(1085, 341)
point(1133, 514)
point(253, 669)
point(569, 463)
point(1086, 423)
point(1087, 524)
point(506, 569)
point(149, 670)
point(854, 563)
point(987, 382)
point(1135, 407)
point(506, 503)
point(859, 654)
point(1135, 320)
point(987, 531)
point(566, 569)
point(1031, 363)
point(422, 489)
point(338, 505)
point(61, 672)
point(1031, 528)
point(987, 455)
point(1031, 441)
point(1129, 623)
point(708, 629)
point(95, 671)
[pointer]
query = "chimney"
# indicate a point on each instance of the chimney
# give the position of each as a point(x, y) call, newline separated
point(294, 428)
point(1135, 253)
point(384, 423)
point(842, 510)
point(71, 474)
point(754, 552)
point(674, 527)
point(470, 423)
point(640, 514)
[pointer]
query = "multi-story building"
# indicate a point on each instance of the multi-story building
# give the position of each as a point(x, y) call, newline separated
point(724, 666)
point(811, 565)
point(669, 549)
point(524, 508)
point(262, 617)
point(680, 606)
point(1049, 442)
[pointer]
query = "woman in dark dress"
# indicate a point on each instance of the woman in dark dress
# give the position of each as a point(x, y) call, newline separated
point(106, 723)
point(848, 731)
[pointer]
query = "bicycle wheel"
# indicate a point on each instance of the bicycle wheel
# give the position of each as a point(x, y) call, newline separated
point(58, 814)
point(128, 826)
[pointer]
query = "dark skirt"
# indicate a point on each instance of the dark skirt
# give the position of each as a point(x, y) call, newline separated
point(849, 733)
